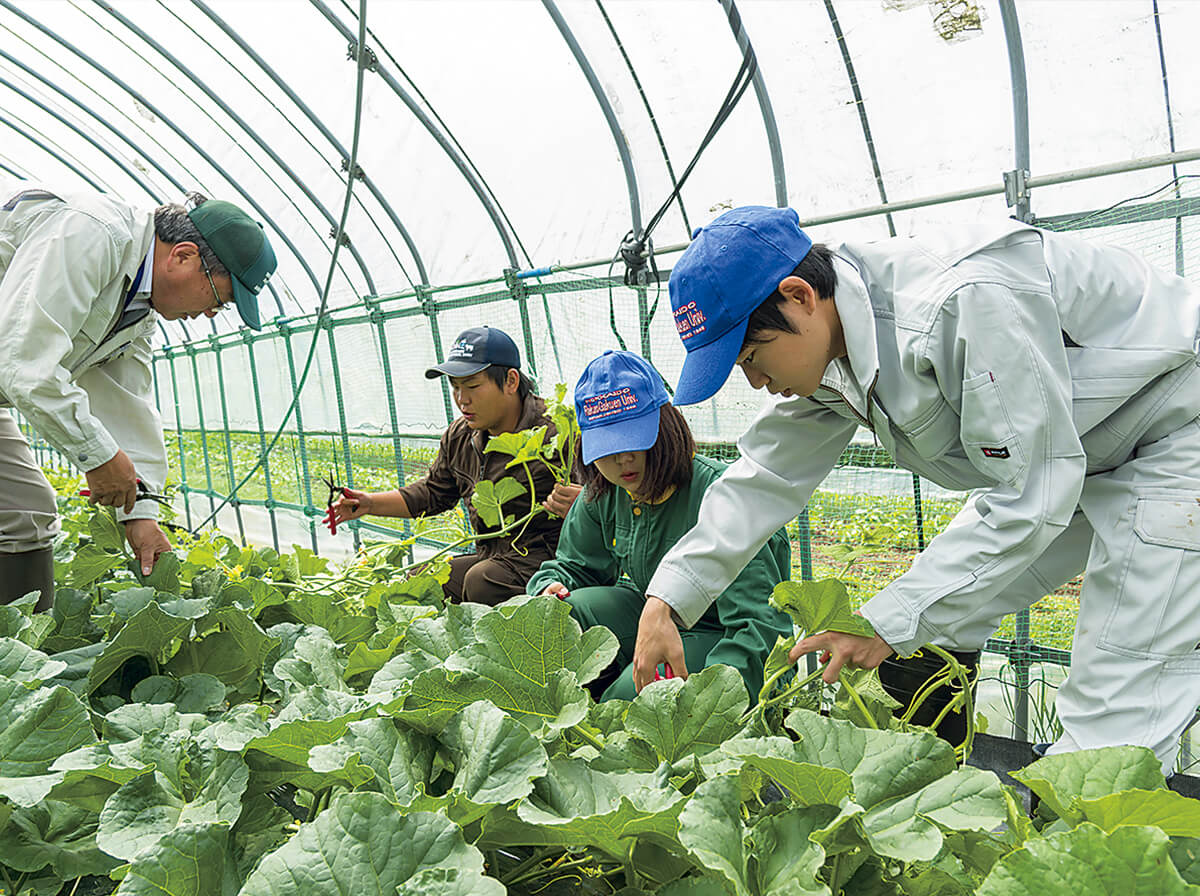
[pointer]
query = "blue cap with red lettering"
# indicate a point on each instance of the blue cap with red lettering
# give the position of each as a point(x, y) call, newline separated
point(730, 268)
point(616, 402)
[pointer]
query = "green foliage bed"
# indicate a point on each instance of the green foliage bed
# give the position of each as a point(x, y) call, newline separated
point(245, 722)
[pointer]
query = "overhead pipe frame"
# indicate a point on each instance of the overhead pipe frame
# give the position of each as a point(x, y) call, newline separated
point(316, 121)
point(125, 138)
point(764, 103)
point(7, 4)
point(247, 129)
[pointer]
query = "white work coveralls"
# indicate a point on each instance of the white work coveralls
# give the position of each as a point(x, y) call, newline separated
point(71, 360)
point(1058, 379)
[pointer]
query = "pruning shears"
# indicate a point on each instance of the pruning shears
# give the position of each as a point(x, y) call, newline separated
point(143, 494)
point(335, 491)
point(670, 673)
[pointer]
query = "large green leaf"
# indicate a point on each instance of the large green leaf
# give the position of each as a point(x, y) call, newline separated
point(397, 760)
point(882, 764)
point(575, 806)
point(822, 606)
point(711, 828)
point(489, 499)
point(152, 632)
point(107, 534)
point(72, 614)
point(909, 827)
point(773, 858)
point(21, 662)
point(783, 761)
point(364, 845)
point(1177, 815)
point(427, 644)
point(164, 576)
point(204, 790)
point(90, 563)
point(54, 834)
point(494, 757)
point(191, 860)
point(785, 860)
point(1063, 778)
point(1185, 853)
point(529, 659)
point(679, 717)
point(313, 660)
point(281, 757)
point(37, 725)
point(1131, 861)
point(234, 653)
point(192, 693)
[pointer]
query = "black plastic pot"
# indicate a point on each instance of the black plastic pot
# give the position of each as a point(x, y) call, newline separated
point(904, 678)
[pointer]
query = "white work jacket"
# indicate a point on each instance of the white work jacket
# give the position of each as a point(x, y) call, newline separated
point(1016, 361)
point(67, 262)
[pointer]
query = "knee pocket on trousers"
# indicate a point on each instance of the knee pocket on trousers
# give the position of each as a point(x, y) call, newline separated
point(1154, 613)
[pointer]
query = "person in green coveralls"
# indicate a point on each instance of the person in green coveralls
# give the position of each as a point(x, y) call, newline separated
point(643, 482)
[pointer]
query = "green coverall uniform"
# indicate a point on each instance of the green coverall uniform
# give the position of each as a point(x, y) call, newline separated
point(609, 549)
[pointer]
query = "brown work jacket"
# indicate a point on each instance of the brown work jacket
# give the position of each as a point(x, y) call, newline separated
point(461, 463)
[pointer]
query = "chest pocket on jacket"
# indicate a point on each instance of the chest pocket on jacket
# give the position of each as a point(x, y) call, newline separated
point(988, 436)
point(621, 546)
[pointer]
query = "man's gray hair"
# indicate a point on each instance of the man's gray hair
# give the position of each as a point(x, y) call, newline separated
point(172, 225)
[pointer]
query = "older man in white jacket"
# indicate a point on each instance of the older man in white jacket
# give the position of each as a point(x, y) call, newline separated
point(1055, 378)
point(84, 279)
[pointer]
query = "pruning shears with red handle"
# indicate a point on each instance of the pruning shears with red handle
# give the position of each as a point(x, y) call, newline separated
point(143, 494)
point(670, 673)
point(335, 491)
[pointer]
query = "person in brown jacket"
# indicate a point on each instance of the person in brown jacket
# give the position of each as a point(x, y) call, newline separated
point(495, 396)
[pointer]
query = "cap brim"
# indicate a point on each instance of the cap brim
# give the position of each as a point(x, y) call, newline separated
point(706, 369)
point(638, 434)
point(247, 304)
point(455, 368)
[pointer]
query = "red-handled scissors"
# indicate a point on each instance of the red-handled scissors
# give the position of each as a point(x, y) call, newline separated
point(143, 494)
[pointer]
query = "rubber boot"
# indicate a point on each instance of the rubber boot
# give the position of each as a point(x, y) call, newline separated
point(903, 678)
point(28, 571)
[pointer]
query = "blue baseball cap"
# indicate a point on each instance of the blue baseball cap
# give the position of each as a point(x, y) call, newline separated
point(475, 349)
point(616, 402)
point(729, 269)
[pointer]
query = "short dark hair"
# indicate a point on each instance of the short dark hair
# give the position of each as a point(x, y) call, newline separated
point(499, 375)
point(668, 460)
point(172, 225)
point(817, 270)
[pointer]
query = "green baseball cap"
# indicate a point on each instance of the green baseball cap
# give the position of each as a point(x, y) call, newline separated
point(242, 247)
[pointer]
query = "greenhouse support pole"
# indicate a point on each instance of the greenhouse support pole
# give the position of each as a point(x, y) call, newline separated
point(385, 364)
point(610, 116)
point(430, 308)
point(327, 323)
point(320, 126)
point(1017, 188)
point(183, 486)
point(305, 491)
point(764, 103)
point(190, 348)
point(516, 288)
point(233, 500)
point(452, 153)
point(269, 504)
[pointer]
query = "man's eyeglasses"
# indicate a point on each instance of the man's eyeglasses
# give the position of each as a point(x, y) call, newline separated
point(218, 303)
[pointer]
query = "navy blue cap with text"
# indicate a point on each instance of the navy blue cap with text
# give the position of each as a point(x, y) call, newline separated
point(616, 402)
point(475, 349)
point(732, 265)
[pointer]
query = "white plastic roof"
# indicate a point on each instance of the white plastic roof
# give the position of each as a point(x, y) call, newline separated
point(254, 100)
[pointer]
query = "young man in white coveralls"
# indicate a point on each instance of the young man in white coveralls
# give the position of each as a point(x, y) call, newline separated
point(1055, 378)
